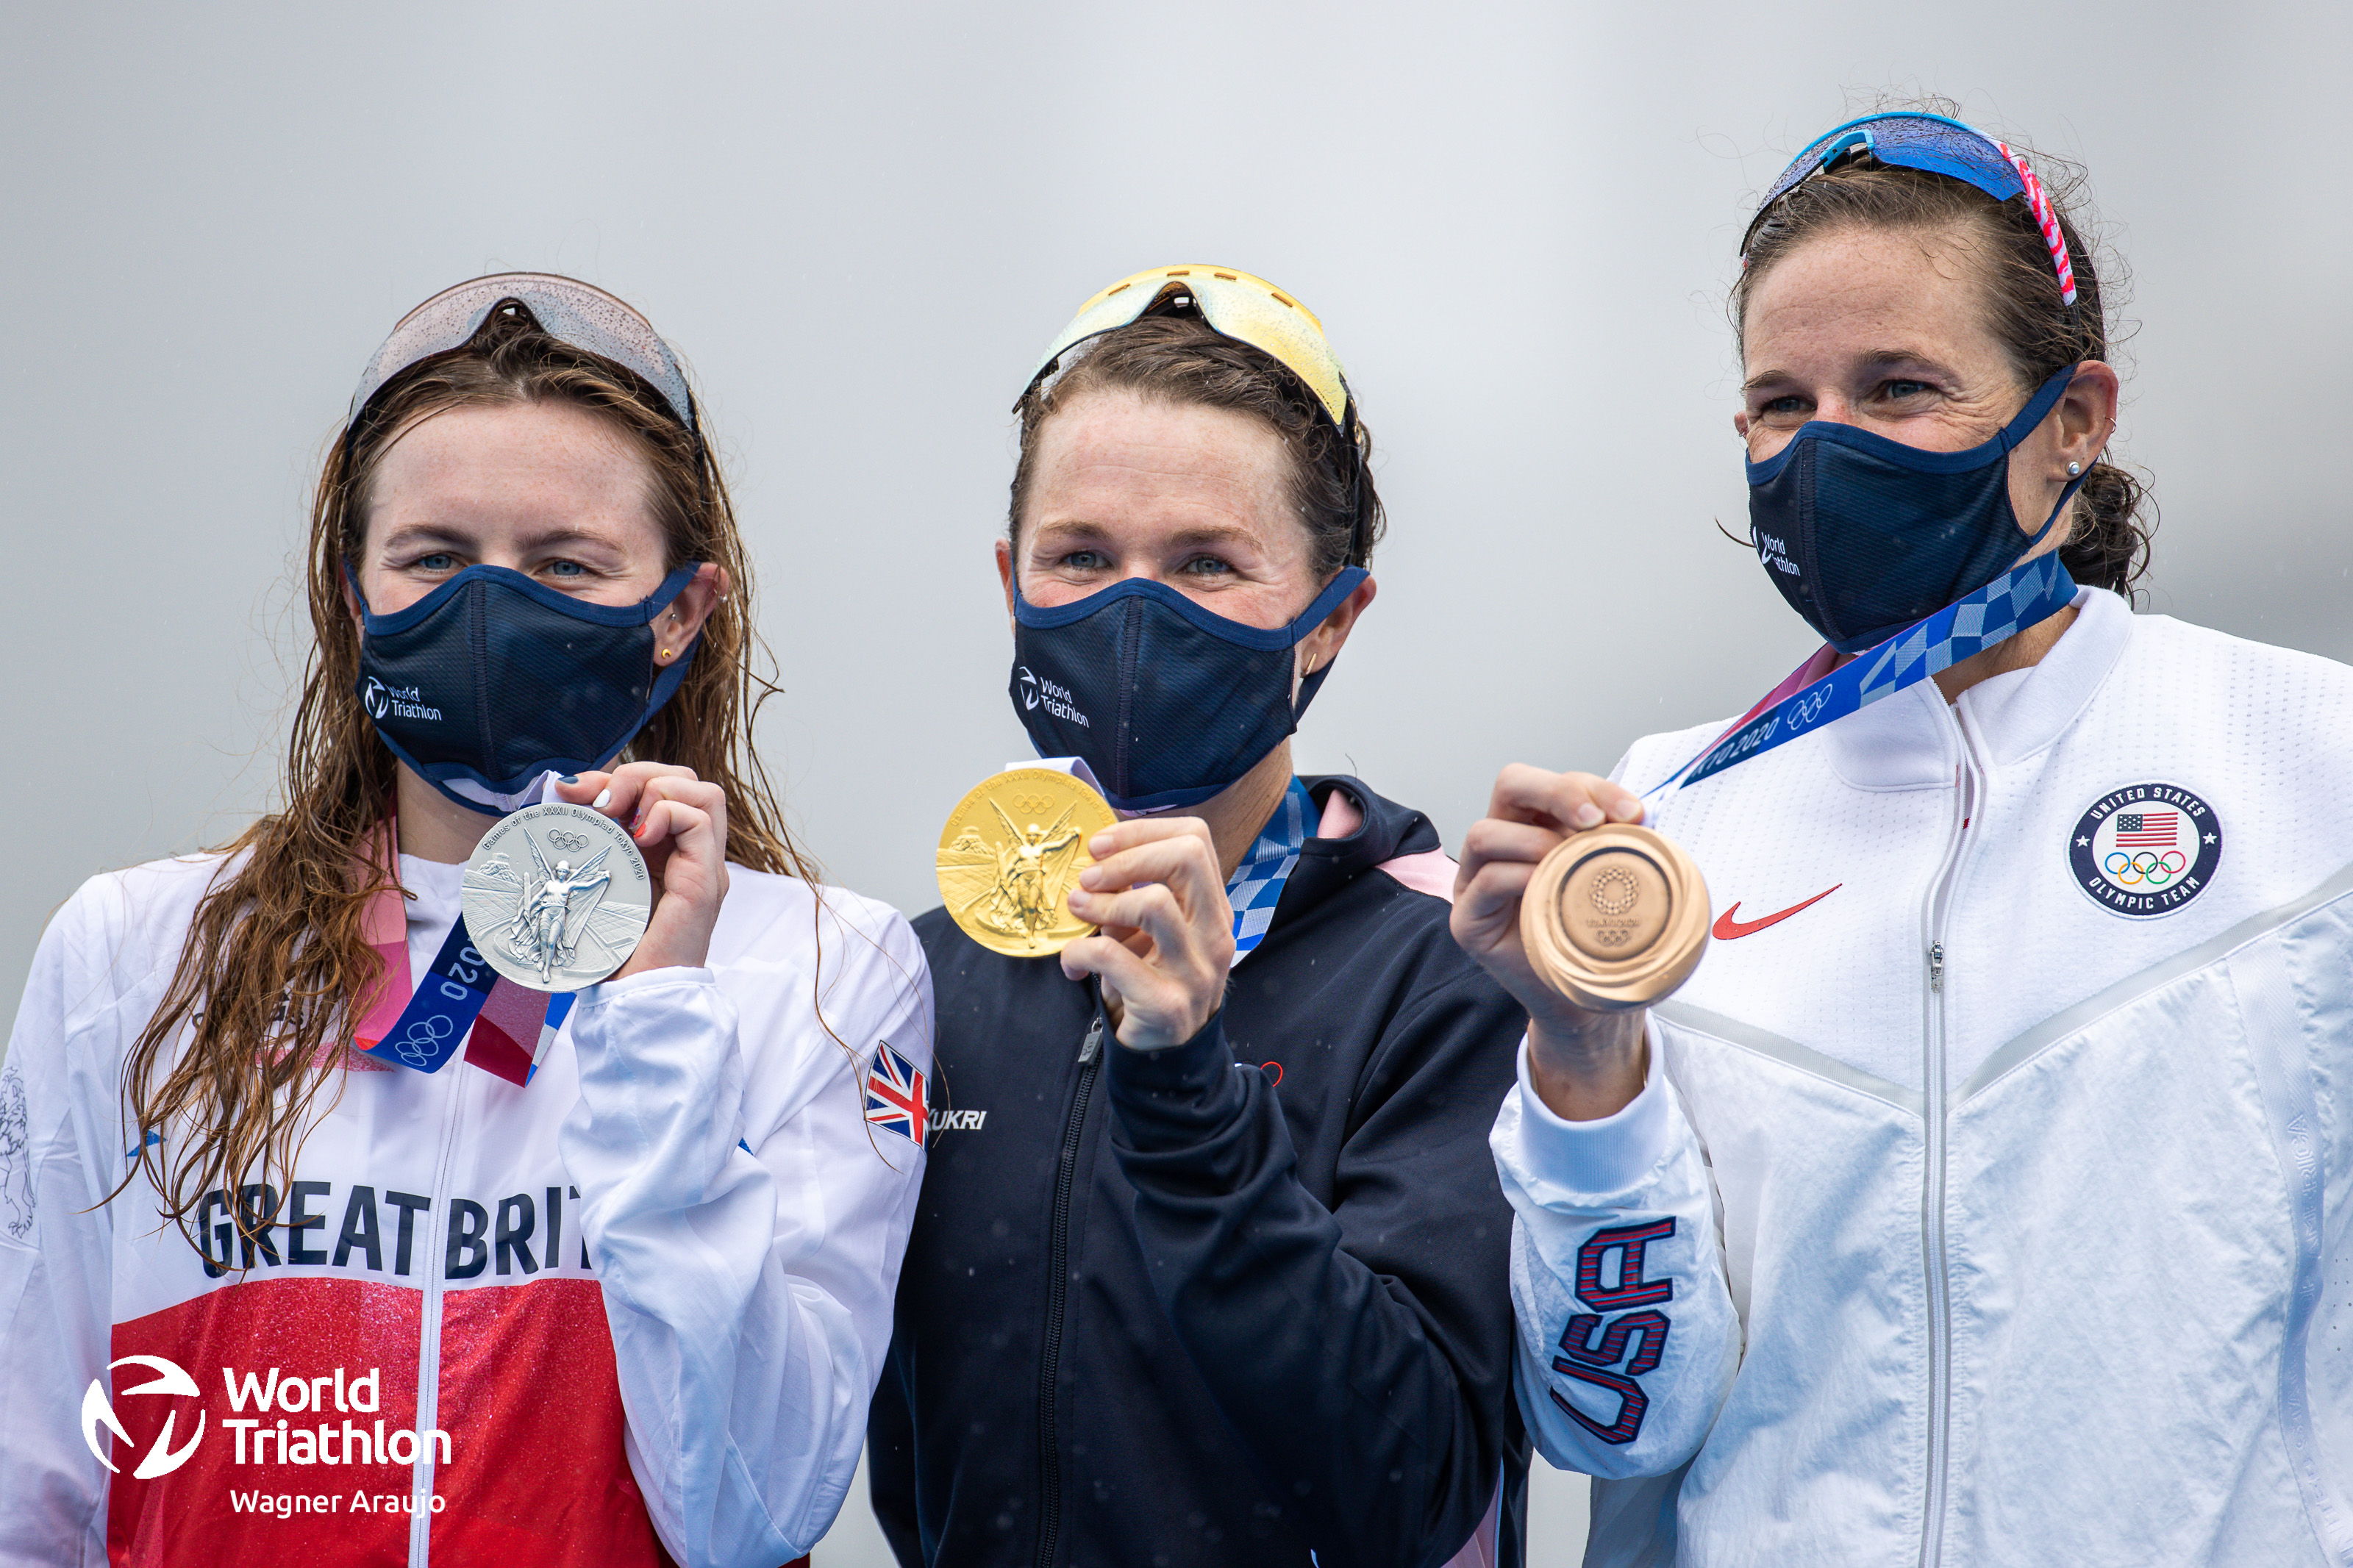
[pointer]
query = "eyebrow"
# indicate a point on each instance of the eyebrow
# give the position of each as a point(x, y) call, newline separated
point(1876, 360)
point(1195, 533)
point(432, 533)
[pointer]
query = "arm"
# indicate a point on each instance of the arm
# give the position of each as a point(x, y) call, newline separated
point(1359, 1351)
point(1628, 1339)
point(746, 1222)
point(891, 1466)
point(55, 1253)
point(748, 1291)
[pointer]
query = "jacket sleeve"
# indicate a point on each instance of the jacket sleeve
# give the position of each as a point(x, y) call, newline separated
point(1358, 1351)
point(748, 1224)
point(55, 1250)
point(891, 1466)
point(1628, 1339)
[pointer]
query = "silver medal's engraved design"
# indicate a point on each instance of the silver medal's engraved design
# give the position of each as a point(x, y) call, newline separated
point(557, 897)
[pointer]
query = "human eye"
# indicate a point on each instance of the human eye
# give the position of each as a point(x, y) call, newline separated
point(1904, 389)
point(1205, 566)
point(1085, 561)
point(435, 560)
point(566, 571)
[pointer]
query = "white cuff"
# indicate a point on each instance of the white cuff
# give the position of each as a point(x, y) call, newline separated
point(644, 979)
point(1611, 1154)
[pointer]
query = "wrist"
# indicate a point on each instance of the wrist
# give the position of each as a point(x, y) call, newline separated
point(1587, 1066)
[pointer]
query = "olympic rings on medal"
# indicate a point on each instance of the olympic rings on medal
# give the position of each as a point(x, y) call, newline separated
point(2147, 866)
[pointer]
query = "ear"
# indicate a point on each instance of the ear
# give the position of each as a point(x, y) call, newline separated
point(1005, 576)
point(1740, 423)
point(1323, 645)
point(351, 596)
point(676, 627)
point(2086, 414)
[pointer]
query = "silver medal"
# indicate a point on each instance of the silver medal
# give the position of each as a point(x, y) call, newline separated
point(557, 897)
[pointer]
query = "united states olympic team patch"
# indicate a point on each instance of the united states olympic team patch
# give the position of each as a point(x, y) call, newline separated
point(2145, 849)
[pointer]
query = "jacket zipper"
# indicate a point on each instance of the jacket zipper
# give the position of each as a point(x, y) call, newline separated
point(1932, 1197)
point(1050, 1364)
point(429, 1338)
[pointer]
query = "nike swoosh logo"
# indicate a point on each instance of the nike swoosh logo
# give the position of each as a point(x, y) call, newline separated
point(1727, 928)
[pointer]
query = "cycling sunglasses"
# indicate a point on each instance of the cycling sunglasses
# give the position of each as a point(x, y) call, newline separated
point(564, 308)
point(1909, 140)
point(1236, 305)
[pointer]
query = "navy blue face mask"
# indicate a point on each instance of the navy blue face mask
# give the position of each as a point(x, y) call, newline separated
point(493, 680)
point(1865, 536)
point(1167, 702)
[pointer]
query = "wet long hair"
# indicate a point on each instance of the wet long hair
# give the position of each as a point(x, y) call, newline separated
point(271, 977)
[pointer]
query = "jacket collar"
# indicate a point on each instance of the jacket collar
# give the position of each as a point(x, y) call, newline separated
point(1910, 741)
point(1326, 865)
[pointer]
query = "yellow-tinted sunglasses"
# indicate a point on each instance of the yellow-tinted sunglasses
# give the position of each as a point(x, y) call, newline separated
point(1236, 305)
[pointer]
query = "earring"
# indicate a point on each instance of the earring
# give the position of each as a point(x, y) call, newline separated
point(2074, 470)
point(665, 653)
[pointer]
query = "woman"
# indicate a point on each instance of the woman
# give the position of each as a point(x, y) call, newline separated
point(1210, 1265)
point(603, 1286)
point(1983, 1197)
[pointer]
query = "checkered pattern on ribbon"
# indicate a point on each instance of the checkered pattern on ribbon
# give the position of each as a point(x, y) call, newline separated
point(2031, 592)
point(1256, 886)
point(1993, 614)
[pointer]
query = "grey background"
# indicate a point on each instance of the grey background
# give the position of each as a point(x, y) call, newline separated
point(861, 224)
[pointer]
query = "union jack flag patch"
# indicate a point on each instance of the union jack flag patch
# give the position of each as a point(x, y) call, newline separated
point(894, 1095)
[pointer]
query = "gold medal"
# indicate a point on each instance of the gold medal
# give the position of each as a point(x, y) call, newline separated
point(1011, 852)
point(1615, 919)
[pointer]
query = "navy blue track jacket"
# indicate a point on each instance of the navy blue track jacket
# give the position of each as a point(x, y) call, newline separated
point(1226, 1303)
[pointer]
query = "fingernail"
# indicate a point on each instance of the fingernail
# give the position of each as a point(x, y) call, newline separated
point(602, 801)
point(567, 778)
point(1089, 878)
point(1099, 844)
point(1587, 815)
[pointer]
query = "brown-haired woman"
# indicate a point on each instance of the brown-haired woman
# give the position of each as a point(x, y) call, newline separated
point(1984, 1196)
point(602, 1286)
point(1210, 1265)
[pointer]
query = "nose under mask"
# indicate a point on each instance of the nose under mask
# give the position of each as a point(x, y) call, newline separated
point(493, 680)
point(1865, 536)
point(1170, 703)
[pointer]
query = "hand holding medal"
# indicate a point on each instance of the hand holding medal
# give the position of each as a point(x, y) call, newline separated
point(562, 895)
point(1587, 918)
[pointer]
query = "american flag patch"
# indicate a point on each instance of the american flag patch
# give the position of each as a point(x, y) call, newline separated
point(2147, 829)
point(894, 1095)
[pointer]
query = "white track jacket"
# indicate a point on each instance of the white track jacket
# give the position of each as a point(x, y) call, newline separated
point(648, 1294)
point(1991, 1198)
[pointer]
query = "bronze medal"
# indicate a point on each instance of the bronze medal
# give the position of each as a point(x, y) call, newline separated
point(1615, 919)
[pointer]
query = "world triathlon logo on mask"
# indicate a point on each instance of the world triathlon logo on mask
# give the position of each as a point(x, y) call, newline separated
point(2145, 849)
point(1775, 553)
point(1056, 700)
point(399, 701)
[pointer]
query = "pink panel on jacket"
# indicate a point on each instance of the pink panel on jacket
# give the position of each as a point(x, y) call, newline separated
point(1431, 871)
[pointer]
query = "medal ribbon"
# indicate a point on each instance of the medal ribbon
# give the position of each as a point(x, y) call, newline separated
point(462, 997)
point(2025, 595)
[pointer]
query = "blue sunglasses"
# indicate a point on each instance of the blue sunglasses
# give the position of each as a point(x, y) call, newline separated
point(1909, 140)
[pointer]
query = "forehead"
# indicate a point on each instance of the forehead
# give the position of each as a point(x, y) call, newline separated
point(1113, 459)
point(522, 461)
point(1921, 287)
